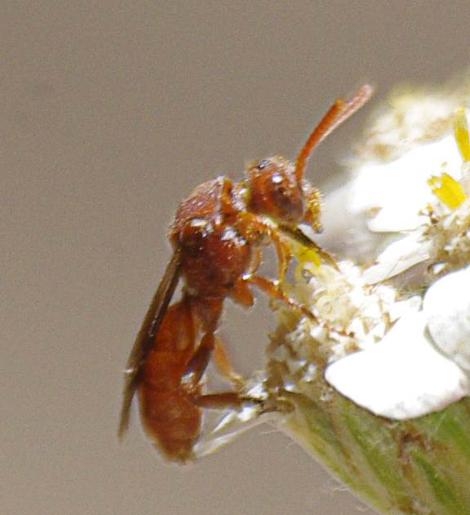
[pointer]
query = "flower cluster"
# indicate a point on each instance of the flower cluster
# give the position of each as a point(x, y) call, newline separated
point(394, 335)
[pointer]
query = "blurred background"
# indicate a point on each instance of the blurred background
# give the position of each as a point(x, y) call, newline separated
point(110, 113)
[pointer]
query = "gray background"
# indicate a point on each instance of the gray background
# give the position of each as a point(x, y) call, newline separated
point(111, 112)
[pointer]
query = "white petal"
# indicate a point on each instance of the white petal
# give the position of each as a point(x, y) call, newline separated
point(401, 377)
point(346, 231)
point(399, 189)
point(447, 309)
point(398, 257)
point(384, 197)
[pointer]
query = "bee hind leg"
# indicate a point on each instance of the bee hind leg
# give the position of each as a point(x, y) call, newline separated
point(223, 400)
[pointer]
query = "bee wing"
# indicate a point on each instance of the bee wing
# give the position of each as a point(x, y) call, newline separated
point(146, 335)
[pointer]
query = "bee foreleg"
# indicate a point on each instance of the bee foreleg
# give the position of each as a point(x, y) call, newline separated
point(273, 290)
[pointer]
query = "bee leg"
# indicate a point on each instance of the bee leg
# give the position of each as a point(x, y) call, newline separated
point(222, 400)
point(256, 229)
point(256, 259)
point(241, 294)
point(273, 290)
point(283, 254)
point(222, 362)
point(198, 363)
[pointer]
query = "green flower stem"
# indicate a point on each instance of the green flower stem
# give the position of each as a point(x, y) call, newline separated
point(415, 466)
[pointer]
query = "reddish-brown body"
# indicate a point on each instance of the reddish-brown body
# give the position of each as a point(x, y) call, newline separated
point(214, 257)
point(167, 412)
point(217, 235)
point(215, 245)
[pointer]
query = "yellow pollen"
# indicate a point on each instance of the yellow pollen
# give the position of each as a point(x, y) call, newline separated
point(307, 259)
point(447, 190)
point(461, 134)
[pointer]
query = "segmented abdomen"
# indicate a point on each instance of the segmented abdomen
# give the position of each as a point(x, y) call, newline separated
point(171, 420)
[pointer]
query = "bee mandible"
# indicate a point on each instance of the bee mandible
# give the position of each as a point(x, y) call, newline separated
point(217, 236)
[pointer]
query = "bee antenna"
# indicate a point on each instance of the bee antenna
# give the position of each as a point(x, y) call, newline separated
point(339, 112)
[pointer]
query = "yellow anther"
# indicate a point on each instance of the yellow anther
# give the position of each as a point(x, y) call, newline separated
point(449, 191)
point(461, 134)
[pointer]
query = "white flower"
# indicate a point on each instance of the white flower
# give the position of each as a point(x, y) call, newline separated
point(392, 328)
point(447, 310)
point(401, 377)
point(420, 202)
